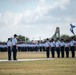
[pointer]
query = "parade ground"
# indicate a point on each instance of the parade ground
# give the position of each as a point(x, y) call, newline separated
point(36, 63)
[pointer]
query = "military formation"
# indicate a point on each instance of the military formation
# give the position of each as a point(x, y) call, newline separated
point(59, 47)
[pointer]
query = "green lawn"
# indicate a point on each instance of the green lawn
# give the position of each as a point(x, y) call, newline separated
point(58, 66)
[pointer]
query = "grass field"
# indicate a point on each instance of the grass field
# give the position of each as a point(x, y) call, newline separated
point(58, 66)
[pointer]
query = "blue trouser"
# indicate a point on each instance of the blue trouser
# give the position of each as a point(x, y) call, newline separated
point(14, 52)
point(53, 52)
point(72, 51)
point(62, 51)
point(47, 52)
point(58, 52)
point(67, 51)
point(9, 53)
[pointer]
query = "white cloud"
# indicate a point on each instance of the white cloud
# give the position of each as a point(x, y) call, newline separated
point(10, 18)
point(41, 21)
point(42, 1)
point(63, 3)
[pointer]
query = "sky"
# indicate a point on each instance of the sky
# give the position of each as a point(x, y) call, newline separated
point(36, 18)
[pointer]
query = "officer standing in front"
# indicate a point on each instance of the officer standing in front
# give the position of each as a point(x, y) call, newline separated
point(14, 43)
point(47, 47)
point(9, 47)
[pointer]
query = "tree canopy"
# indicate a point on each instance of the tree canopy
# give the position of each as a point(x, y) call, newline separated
point(23, 38)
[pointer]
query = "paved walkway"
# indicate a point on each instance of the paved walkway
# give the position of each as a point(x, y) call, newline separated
point(27, 60)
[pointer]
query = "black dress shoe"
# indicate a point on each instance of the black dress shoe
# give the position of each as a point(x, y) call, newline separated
point(9, 59)
point(15, 59)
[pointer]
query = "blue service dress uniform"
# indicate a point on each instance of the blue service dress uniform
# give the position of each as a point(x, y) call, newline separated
point(9, 44)
point(72, 43)
point(14, 43)
point(47, 46)
point(62, 49)
point(52, 49)
point(67, 49)
point(58, 48)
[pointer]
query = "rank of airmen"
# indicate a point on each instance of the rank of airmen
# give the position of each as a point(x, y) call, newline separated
point(52, 46)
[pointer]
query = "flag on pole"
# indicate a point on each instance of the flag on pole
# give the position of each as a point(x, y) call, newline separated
point(71, 29)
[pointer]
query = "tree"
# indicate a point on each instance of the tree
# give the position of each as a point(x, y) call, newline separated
point(64, 36)
point(26, 39)
point(22, 38)
point(72, 37)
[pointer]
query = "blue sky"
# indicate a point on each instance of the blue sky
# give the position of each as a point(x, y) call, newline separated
point(36, 18)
